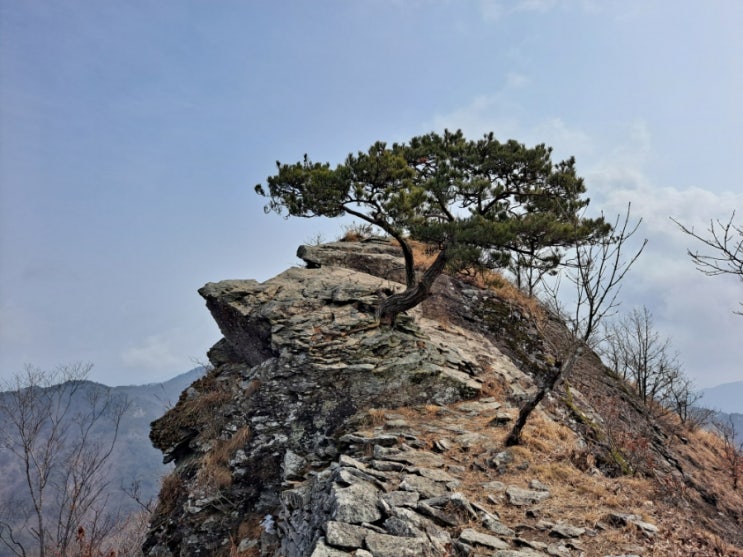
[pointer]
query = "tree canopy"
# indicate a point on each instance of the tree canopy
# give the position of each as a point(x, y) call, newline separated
point(479, 202)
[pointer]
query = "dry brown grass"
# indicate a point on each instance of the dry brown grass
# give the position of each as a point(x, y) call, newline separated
point(215, 472)
point(171, 490)
point(376, 416)
point(578, 496)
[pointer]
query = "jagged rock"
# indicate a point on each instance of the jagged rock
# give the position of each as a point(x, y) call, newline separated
point(427, 488)
point(538, 486)
point(378, 258)
point(473, 537)
point(494, 486)
point(322, 550)
point(622, 519)
point(401, 498)
point(567, 531)
point(398, 527)
point(293, 465)
point(343, 535)
point(355, 504)
point(496, 526)
point(442, 445)
point(436, 475)
point(413, 458)
point(501, 419)
point(421, 523)
point(517, 553)
point(522, 497)
point(441, 517)
point(385, 545)
point(381, 440)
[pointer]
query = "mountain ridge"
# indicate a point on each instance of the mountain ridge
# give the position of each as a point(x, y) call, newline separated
point(133, 459)
point(726, 397)
point(320, 433)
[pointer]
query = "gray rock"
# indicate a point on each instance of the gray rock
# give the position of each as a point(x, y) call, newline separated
point(622, 519)
point(567, 531)
point(293, 466)
point(436, 475)
point(356, 439)
point(384, 545)
point(398, 527)
point(473, 537)
point(496, 526)
point(444, 518)
point(414, 458)
point(517, 553)
point(340, 534)
point(442, 445)
point(355, 504)
point(496, 486)
point(538, 486)
point(322, 550)
point(427, 488)
point(522, 497)
point(401, 498)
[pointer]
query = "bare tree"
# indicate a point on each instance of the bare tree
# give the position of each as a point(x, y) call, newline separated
point(724, 242)
point(732, 449)
point(645, 359)
point(596, 271)
point(681, 397)
point(531, 265)
point(61, 435)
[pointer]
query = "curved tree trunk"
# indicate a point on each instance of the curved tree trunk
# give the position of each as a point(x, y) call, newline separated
point(514, 437)
point(414, 294)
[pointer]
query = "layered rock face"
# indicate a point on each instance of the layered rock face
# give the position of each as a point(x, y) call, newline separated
point(300, 359)
point(320, 434)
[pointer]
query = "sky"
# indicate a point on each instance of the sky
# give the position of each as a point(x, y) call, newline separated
point(132, 135)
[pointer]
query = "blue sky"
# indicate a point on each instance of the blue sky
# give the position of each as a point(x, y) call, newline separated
point(132, 134)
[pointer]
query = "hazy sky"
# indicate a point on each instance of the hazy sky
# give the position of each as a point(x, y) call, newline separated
point(132, 134)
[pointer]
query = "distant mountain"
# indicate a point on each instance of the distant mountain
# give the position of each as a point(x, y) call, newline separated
point(134, 458)
point(726, 398)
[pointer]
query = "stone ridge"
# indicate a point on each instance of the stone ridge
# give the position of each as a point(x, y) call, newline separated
point(320, 434)
point(299, 360)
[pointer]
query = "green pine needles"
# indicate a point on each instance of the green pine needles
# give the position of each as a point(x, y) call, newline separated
point(482, 203)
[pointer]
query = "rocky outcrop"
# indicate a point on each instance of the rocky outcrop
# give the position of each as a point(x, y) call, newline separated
point(301, 357)
point(319, 433)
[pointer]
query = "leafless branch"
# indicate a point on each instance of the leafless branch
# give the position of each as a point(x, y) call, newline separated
point(724, 244)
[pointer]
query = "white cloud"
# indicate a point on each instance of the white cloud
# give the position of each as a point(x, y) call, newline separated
point(494, 10)
point(491, 10)
point(502, 113)
point(155, 352)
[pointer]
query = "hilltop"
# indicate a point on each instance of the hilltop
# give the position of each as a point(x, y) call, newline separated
point(727, 397)
point(320, 433)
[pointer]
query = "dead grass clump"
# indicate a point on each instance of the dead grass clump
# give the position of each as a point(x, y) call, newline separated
point(376, 416)
point(357, 232)
point(549, 437)
point(250, 529)
point(508, 292)
point(215, 470)
point(493, 385)
point(171, 490)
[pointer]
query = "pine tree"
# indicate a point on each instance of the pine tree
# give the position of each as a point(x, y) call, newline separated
point(479, 203)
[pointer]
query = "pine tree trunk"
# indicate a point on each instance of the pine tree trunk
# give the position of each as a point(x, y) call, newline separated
point(514, 437)
point(391, 306)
